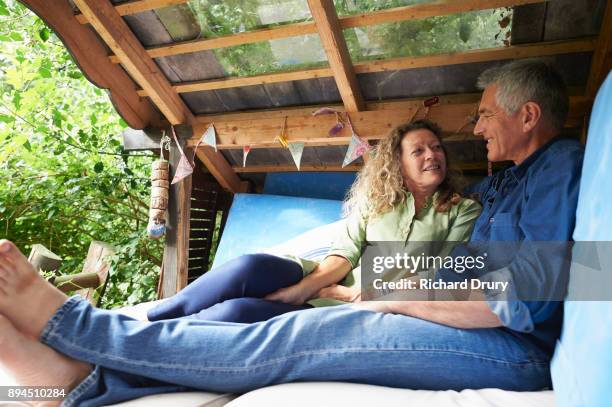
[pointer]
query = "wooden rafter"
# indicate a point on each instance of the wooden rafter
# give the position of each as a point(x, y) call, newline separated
point(482, 55)
point(371, 125)
point(91, 55)
point(325, 17)
point(417, 11)
point(464, 166)
point(117, 35)
point(137, 6)
point(603, 51)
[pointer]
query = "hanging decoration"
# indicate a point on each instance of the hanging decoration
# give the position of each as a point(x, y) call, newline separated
point(282, 137)
point(357, 147)
point(156, 227)
point(245, 152)
point(296, 149)
point(341, 119)
point(426, 105)
point(184, 167)
point(210, 137)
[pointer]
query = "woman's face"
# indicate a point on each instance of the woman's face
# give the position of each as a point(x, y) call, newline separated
point(423, 163)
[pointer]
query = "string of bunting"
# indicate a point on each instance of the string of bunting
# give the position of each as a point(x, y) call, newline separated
point(357, 146)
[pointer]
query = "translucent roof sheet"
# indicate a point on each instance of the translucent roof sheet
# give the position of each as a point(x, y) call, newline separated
point(284, 54)
point(224, 17)
point(350, 7)
point(435, 35)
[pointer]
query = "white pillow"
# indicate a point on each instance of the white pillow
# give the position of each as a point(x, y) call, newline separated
point(311, 245)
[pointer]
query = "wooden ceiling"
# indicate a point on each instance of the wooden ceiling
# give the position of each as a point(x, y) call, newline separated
point(112, 56)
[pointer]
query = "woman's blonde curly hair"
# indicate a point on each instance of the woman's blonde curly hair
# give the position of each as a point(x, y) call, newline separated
point(379, 186)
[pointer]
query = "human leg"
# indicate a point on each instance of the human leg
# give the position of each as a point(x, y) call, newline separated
point(337, 343)
point(251, 275)
point(246, 310)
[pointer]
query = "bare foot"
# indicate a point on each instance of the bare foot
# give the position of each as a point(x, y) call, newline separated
point(26, 299)
point(33, 364)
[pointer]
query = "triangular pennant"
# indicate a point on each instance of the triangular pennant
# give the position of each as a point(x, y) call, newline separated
point(245, 151)
point(357, 147)
point(183, 169)
point(296, 149)
point(210, 137)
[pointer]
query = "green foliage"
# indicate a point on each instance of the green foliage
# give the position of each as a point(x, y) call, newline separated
point(63, 180)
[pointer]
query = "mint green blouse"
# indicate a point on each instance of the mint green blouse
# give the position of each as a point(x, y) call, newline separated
point(400, 225)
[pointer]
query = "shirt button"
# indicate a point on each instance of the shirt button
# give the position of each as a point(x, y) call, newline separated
point(491, 220)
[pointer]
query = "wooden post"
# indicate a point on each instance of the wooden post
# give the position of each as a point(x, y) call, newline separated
point(176, 251)
point(44, 259)
point(97, 263)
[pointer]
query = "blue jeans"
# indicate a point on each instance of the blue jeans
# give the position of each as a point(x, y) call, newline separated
point(134, 358)
point(234, 291)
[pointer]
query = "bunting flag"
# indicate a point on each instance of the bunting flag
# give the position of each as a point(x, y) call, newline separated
point(210, 137)
point(357, 147)
point(296, 149)
point(245, 151)
point(184, 167)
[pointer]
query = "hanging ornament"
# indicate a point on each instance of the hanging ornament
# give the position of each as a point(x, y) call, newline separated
point(156, 227)
point(210, 137)
point(245, 151)
point(296, 149)
point(282, 137)
point(340, 119)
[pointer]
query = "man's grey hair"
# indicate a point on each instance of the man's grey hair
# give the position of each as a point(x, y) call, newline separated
point(529, 80)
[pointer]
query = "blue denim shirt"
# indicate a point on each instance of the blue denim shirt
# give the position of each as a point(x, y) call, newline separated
point(533, 201)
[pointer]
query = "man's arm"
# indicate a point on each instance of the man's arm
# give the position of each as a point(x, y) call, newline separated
point(474, 313)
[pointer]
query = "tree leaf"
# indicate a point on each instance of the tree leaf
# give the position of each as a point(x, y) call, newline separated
point(44, 34)
point(44, 72)
point(16, 36)
point(99, 167)
point(5, 118)
point(27, 145)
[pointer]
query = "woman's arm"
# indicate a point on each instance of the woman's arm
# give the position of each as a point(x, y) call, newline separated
point(331, 270)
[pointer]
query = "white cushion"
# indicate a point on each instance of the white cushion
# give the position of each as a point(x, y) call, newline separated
point(356, 395)
point(311, 245)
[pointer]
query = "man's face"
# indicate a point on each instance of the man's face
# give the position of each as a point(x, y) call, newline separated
point(502, 132)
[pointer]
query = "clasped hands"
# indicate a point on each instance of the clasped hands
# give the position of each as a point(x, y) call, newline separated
point(298, 295)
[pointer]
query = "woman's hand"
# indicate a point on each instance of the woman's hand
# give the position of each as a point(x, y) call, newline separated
point(340, 292)
point(294, 294)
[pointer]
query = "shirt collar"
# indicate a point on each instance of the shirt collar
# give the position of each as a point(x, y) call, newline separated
point(518, 171)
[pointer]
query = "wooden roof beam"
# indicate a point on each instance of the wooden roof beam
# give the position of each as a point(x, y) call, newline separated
point(413, 12)
point(603, 51)
point(472, 56)
point(371, 125)
point(326, 20)
point(137, 6)
point(464, 166)
point(117, 35)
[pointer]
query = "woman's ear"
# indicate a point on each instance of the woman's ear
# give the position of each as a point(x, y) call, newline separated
point(531, 115)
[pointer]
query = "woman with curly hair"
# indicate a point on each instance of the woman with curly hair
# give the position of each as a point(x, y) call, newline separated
point(403, 193)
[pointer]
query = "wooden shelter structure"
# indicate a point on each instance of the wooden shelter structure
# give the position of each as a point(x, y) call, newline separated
point(166, 62)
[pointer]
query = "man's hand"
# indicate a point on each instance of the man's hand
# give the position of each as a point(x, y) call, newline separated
point(294, 294)
point(340, 292)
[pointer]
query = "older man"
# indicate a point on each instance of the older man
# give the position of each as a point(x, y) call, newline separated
point(423, 345)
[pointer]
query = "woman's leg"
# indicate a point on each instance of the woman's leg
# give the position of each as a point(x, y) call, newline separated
point(251, 275)
point(246, 310)
point(337, 343)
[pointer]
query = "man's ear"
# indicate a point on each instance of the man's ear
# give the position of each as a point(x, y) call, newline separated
point(531, 115)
